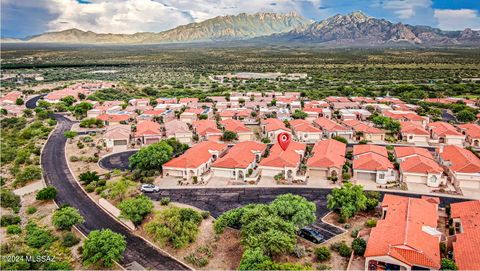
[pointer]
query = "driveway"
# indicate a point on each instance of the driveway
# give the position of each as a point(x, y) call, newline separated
point(57, 173)
point(117, 160)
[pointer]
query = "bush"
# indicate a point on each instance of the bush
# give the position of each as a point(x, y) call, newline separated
point(7, 220)
point(448, 264)
point(177, 226)
point(372, 204)
point(30, 173)
point(354, 233)
point(104, 247)
point(90, 188)
point(80, 145)
point(14, 229)
point(47, 193)
point(359, 245)
point(322, 253)
point(205, 214)
point(165, 201)
point(88, 177)
point(37, 237)
point(58, 266)
point(69, 240)
point(371, 223)
point(344, 250)
point(8, 199)
point(136, 209)
point(31, 210)
point(65, 218)
point(74, 158)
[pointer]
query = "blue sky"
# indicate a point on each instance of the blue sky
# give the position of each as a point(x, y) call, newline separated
point(20, 18)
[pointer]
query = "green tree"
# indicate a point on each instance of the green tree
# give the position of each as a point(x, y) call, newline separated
point(136, 209)
point(151, 157)
point(8, 199)
point(347, 200)
point(448, 264)
point(47, 193)
point(229, 135)
point(80, 109)
point(299, 114)
point(295, 209)
point(65, 218)
point(465, 115)
point(178, 147)
point(341, 139)
point(103, 247)
point(68, 101)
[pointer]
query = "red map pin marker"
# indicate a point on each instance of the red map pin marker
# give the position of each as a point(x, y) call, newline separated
point(284, 140)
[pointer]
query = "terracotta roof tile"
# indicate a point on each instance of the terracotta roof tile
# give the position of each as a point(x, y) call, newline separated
point(328, 153)
point(241, 155)
point(465, 247)
point(462, 160)
point(196, 156)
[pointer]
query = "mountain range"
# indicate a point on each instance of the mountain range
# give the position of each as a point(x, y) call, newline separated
point(355, 29)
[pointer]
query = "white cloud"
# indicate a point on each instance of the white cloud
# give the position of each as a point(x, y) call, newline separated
point(130, 16)
point(404, 9)
point(457, 19)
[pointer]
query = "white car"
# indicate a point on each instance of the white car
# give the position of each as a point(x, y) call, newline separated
point(149, 188)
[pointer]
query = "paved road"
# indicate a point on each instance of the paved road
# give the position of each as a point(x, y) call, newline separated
point(56, 173)
point(117, 160)
point(32, 103)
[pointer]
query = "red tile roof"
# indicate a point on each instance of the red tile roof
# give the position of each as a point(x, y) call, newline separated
point(472, 130)
point(365, 148)
point(12, 96)
point(420, 164)
point(241, 155)
point(114, 117)
point(329, 125)
point(401, 152)
point(462, 160)
point(117, 132)
point(280, 158)
point(403, 233)
point(274, 125)
point(196, 156)
point(147, 128)
point(328, 153)
point(235, 126)
point(402, 115)
point(303, 126)
point(443, 129)
point(412, 128)
point(359, 126)
point(204, 127)
point(466, 246)
point(372, 161)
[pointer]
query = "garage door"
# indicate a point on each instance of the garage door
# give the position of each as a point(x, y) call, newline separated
point(469, 184)
point(120, 142)
point(317, 174)
point(151, 140)
point(364, 176)
point(270, 172)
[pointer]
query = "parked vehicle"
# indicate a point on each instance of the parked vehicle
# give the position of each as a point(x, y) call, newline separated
point(149, 188)
point(311, 235)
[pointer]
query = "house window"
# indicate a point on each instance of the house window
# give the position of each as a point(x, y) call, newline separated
point(381, 176)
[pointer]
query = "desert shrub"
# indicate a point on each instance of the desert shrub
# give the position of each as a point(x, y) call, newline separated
point(88, 177)
point(14, 229)
point(74, 158)
point(371, 223)
point(176, 226)
point(29, 173)
point(65, 218)
point(46, 193)
point(7, 220)
point(37, 237)
point(9, 200)
point(165, 201)
point(69, 240)
point(354, 233)
point(90, 187)
point(205, 214)
point(322, 253)
point(359, 245)
point(31, 210)
point(136, 209)
point(344, 250)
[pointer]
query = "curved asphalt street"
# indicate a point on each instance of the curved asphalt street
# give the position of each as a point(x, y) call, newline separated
point(57, 174)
